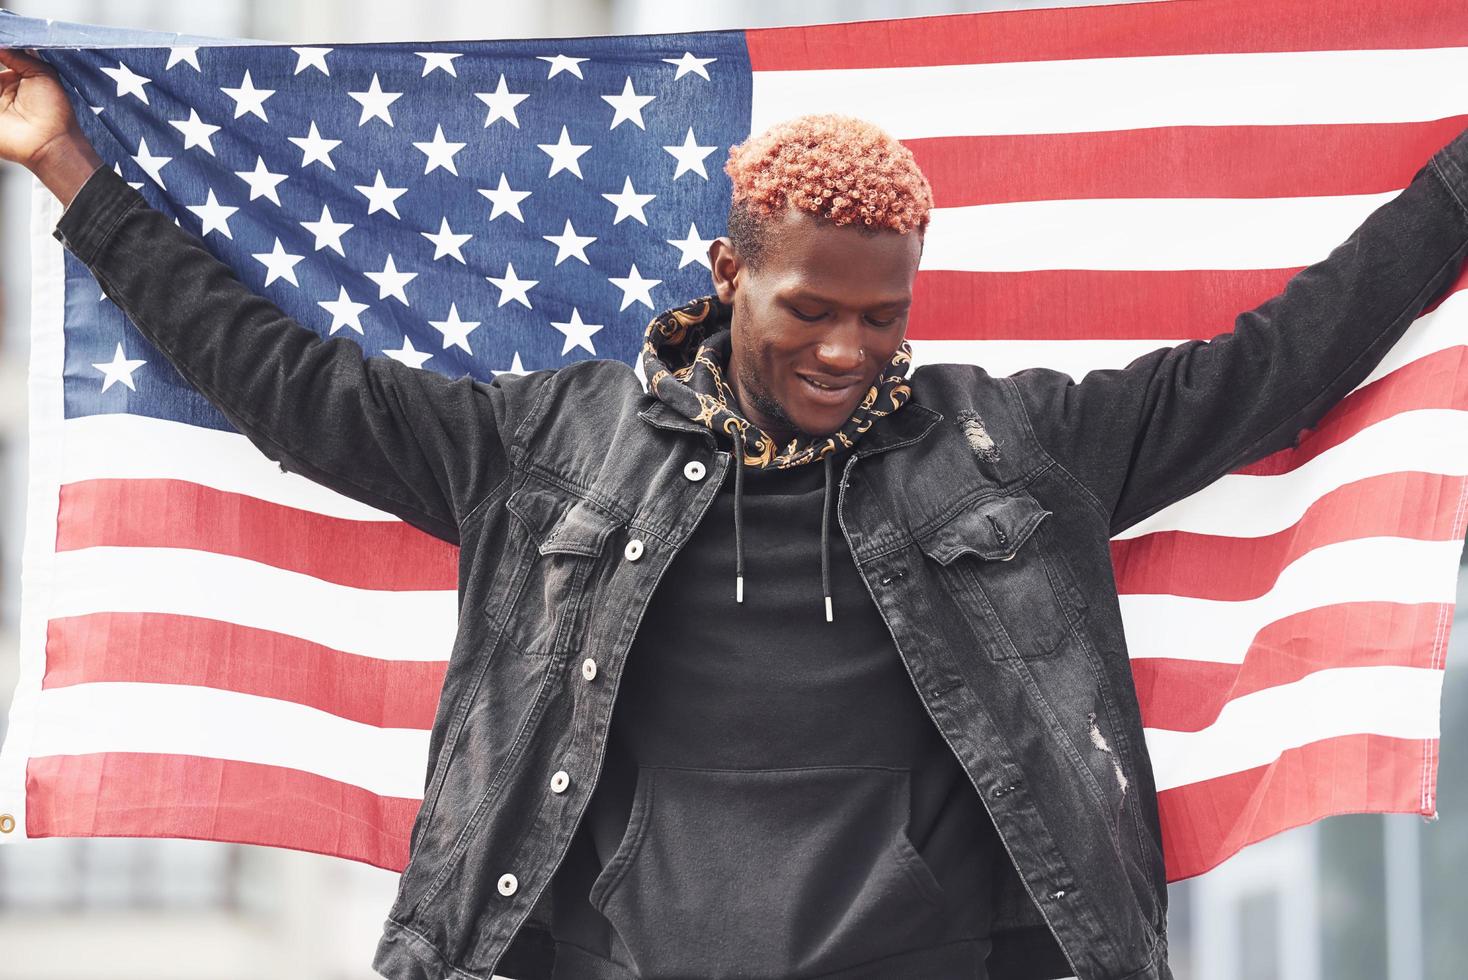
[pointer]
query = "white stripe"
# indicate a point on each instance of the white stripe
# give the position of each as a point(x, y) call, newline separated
point(1155, 234)
point(382, 624)
point(1087, 95)
point(1443, 328)
point(1005, 357)
point(120, 446)
point(1253, 730)
point(1429, 440)
point(1360, 570)
point(183, 719)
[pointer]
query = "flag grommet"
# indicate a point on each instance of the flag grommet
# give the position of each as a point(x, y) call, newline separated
point(7, 823)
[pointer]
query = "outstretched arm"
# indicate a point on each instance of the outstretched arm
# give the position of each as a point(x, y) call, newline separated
point(1176, 419)
point(410, 442)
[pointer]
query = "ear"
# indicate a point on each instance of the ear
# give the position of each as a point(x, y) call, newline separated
point(725, 265)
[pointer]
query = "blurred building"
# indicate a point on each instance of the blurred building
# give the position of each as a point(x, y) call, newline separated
point(1352, 898)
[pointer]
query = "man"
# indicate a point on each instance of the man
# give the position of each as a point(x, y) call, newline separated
point(908, 749)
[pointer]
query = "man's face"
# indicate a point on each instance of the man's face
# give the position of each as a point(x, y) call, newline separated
point(816, 322)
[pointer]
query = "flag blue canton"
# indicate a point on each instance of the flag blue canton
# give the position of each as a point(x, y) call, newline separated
point(468, 208)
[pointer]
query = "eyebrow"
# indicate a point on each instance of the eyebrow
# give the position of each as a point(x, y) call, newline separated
point(807, 294)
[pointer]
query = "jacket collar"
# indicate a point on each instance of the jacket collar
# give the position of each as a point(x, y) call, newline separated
point(891, 432)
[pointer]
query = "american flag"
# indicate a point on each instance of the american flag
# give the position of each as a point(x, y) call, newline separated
point(214, 649)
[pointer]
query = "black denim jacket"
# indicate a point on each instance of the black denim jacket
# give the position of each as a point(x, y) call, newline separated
point(990, 564)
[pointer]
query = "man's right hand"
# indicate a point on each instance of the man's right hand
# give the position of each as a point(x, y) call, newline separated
point(38, 130)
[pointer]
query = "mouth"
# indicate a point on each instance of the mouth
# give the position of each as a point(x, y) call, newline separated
point(828, 391)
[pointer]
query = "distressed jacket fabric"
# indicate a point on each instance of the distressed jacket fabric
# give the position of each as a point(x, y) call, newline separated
point(979, 518)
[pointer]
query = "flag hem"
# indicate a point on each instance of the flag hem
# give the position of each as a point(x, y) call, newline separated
point(38, 550)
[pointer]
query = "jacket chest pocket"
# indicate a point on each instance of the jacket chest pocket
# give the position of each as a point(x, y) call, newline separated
point(566, 536)
point(998, 562)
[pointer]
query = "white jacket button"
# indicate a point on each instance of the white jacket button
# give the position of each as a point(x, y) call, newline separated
point(633, 551)
point(560, 781)
point(694, 470)
point(588, 668)
point(508, 884)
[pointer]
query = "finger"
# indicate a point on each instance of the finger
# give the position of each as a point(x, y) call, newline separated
point(20, 62)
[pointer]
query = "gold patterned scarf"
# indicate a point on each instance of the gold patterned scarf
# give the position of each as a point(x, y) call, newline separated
point(684, 354)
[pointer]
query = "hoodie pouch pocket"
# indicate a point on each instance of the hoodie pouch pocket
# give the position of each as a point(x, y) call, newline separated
point(767, 872)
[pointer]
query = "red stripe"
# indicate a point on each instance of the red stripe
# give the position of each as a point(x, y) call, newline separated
point(1181, 161)
point(1436, 380)
point(1187, 695)
point(1113, 31)
point(1085, 304)
point(1205, 823)
point(208, 653)
point(388, 555)
point(128, 794)
point(1422, 506)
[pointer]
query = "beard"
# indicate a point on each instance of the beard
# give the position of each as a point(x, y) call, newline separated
point(762, 400)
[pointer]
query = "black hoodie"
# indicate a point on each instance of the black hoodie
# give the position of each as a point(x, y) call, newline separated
point(775, 801)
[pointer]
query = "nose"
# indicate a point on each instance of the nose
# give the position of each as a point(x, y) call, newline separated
point(840, 351)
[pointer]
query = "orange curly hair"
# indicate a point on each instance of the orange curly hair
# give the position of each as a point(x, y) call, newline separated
point(840, 167)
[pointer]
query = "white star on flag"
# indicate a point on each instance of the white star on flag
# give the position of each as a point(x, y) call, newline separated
point(440, 152)
point(578, 334)
point(214, 215)
point(629, 203)
point(690, 156)
point(152, 165)
point(195, 131)
point(693, 248)
point(455, 331)
point(569, 243)
point(119, 369)
point(407, 354)
point(312, 58)
point(381, 197)
point(629, 105)
point(501, 104)
point(136, 185)
point(512, 287)
point(438, 60)
point(506, 200)
point(248, 98)
point(262, 182)
point(315, 148)
point(390, 281)
point(635, 289)
point(446, 242)
point(328, 233)
point(688, 63)
point(128, 81)
point(344, 312)
point(375, 102)
point(561, 62)
point(181, 54)
point(515, 367)
point(564, 154)
point(279, 264)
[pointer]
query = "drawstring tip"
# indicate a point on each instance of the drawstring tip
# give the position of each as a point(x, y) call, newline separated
point(829, 618)
point(739, 588)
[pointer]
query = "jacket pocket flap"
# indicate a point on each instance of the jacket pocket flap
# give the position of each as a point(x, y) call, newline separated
point(561, 522)
point(993, 528)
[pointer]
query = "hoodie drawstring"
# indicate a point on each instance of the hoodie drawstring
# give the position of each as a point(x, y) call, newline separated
point(739, 516)
point(739, 527)
point(826, 541)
